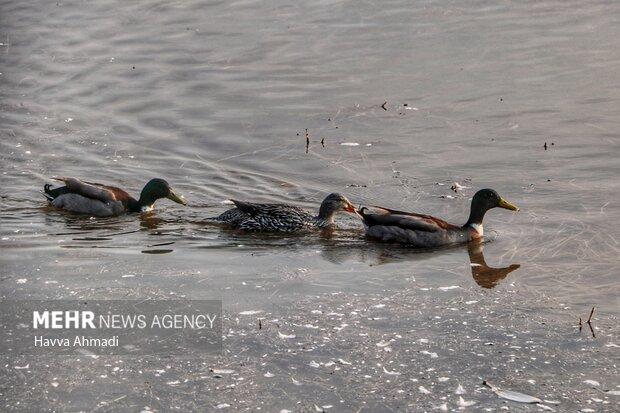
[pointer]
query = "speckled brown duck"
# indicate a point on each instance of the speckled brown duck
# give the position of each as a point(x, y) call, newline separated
point(249, 216)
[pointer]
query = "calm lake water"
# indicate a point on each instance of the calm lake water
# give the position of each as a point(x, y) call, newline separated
point(216, 97)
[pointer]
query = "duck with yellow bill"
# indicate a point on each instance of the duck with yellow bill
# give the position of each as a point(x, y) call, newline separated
point(426, 231)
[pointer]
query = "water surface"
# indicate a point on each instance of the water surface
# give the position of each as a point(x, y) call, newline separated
point(216, 97)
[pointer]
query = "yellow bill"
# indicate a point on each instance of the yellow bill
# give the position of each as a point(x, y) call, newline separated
point(176, 198)
point(507, 205)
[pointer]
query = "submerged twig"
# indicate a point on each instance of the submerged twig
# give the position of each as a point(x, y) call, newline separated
point(591, 314)
point(588, 322)
point(307, 140)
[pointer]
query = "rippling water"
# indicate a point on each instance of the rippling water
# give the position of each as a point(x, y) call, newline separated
point(216, 98)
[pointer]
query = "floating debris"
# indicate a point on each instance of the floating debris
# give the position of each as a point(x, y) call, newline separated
point(269, 375)
point(222, 371)
point(424, 390)
point(286, 336)
point(512, 395)
point(349, 144)
point(450, 287)
point(465, 403)
point(383, 105)
point(250, 312)
point(457, 187)
point(459, 390)
point(429, 353)
point(90, 354)
point(391, 373)
point(592, 383)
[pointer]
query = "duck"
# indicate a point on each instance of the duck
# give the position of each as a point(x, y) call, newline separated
point(101, 200)
point(249, 216)
point(425, 231)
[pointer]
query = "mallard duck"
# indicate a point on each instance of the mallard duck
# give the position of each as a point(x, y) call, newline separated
point(105, 201)
point(427, 231)
point(283, 217)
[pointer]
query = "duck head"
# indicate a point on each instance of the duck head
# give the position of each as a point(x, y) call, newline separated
point(334, 203)
point(484, 200)
point(157, 189)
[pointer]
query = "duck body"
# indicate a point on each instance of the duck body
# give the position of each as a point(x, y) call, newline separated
point(426, 231)
point(102, 200)
point(269, 218)
point(286, 218)
point(414, 229)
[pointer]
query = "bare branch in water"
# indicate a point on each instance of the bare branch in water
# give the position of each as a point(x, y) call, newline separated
point(591, 314)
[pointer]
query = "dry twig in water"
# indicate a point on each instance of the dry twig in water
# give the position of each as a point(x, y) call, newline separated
point(591, 314)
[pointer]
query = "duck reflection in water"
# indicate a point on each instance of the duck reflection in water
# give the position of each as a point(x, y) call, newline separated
point(485, 276)
point(380, 253)
point(151, 222)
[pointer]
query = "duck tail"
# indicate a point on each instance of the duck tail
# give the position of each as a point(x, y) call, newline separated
point(46, 192)
point(366, 215)
point(52, 194)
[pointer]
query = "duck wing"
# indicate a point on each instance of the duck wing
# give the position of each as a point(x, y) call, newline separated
point(405, 220)
point(92, 190)
point(84, 205)
point(253, 209)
